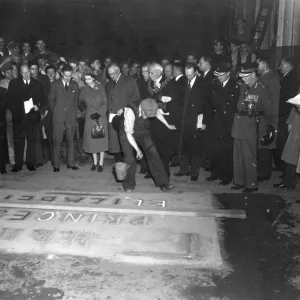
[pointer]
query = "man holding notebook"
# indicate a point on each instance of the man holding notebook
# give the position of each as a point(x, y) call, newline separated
point(26, 101)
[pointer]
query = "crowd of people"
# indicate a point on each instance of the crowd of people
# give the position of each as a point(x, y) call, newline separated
point(225, 113)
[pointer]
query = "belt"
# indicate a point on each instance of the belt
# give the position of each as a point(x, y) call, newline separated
point(251, 114)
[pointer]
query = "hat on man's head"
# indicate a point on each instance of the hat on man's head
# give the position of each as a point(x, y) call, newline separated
point(12, 45)
point(149, 107)
point(222, 68)
point(247, 69)
point(6, 67)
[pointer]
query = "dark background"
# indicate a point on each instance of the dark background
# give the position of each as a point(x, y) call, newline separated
point(140, 29)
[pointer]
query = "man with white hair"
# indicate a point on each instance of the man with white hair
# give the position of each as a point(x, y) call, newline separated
point(165, 92)
point(121, 90)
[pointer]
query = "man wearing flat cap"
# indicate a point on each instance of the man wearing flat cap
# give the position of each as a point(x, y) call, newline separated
point(254, 115)
point(219, 143)
point(135, 135)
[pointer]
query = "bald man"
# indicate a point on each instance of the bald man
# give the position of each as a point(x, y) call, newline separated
point(20, 91)
point(122, 90)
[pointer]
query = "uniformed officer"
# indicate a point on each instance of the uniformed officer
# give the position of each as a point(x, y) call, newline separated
point(225, 94)
point(254, 113)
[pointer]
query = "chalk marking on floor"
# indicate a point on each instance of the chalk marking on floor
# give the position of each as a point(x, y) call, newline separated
point(215, 213)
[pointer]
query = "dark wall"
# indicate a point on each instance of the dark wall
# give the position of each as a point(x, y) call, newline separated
point(127, 28)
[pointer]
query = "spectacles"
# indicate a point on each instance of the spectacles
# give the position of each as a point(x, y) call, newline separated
point(113, 74)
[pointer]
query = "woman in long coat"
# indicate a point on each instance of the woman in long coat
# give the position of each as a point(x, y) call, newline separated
point(94, 99)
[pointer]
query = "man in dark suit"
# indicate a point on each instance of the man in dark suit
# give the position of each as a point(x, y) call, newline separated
point(179, 79)
point(289, 85)
point(121, 90)
point(63, 103)
point(20, 91)
point(219, 143)
point(144, 81)
point(27, 55)
point(270, 80)
point(192, 129)
point(3, 102)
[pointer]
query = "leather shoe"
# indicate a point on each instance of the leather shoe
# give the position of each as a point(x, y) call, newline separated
point(262, 178)
point(194, 178)
point(174, 165)
point(181, 174)
point(142, 172)
point(93, 168)
point(237, 187)
point(167, 187)
point(225, 182)
point(15, 169)
point(31, 169)
point(100, 168)
point(56, 170)
point(282, 186)
point(72, 167)
point(250, 190)
point(148, 176)
point(211, 178)
point(3, 172)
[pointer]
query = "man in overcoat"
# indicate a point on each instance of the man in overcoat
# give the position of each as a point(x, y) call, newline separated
point(270, 80)
point(219, 143)
point(121, 91)
point(291, 151)
point(192, 125)
point(289, 85)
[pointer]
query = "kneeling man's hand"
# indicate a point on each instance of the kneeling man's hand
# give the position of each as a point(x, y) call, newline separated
point(139, 154)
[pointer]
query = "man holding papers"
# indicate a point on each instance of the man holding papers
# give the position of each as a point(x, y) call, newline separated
point(26, 101)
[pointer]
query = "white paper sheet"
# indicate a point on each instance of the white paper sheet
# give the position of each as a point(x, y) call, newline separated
point(199, 121)
point(295, 100)
point(28, 105)
point(165, 99)
point(111, 116)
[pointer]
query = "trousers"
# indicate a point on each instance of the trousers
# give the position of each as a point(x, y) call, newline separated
point(58, 132)
point(155, 164)
point(244, 163)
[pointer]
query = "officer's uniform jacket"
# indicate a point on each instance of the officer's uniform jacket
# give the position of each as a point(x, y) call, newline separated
point(253, 100)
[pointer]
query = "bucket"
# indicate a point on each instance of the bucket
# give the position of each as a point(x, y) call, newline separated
point(121, 170)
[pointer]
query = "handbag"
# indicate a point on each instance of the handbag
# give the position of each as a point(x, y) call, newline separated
point(98, 131)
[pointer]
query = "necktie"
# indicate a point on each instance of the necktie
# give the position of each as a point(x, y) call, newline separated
point(190, 84)
point(113, 84)
point(66, 87)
